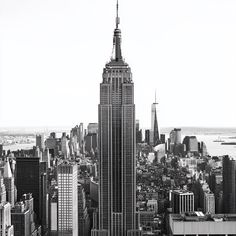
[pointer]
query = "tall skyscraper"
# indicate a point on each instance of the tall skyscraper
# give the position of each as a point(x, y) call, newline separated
point(154, 132)
point(117, 176)
point(67, 207)
point(229, 185)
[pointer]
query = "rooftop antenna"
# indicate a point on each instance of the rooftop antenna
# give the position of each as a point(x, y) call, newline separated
point(117, 14)
point(155, 97)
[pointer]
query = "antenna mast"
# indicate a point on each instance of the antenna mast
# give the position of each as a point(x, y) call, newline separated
point(117, 14)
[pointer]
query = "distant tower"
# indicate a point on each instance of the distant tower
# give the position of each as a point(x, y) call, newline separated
point(117, 175)
point(154, 132)
point(40, 141)
point(81, 136)
point(191, 143)
point(67, 200)
point(65, 146)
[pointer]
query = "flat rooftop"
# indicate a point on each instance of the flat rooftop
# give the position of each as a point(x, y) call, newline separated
point(199, 216)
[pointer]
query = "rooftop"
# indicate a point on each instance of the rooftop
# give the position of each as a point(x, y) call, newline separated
point(199, 216)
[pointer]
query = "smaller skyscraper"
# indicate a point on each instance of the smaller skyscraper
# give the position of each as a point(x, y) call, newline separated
point(78, 131)
point(53, 211)
point(174, 142)
point(92, 128)
point(163, 138)
point(147, 136)
point(52, 143)
point(209, 203)
point(9, 183)
point(67, 218)
point(91, 142)
point(3, 194)
point(46, 157)
point(40, 141)
point(6, 228)
point(203, 149)
point(182, 201)
point(191, 143)
point(31, 178)
point(1, 150)
point(154, 132)
point(22, 215)
point(138, 132)
point(83, 217)
point(81, 136)
point(229, 185)
point(65, 146)
point(28, 180)
point(175, 136)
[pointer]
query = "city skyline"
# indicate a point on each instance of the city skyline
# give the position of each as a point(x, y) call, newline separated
point(47, 50)
point(109, 176)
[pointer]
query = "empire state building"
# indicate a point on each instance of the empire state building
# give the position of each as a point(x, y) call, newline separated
point(117, 165)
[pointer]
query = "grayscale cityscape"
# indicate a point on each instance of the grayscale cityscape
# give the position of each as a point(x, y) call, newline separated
point(111, 175)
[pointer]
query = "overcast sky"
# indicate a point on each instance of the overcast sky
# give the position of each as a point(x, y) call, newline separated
point(52, 53)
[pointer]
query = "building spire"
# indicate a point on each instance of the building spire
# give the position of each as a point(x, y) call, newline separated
point(155, 97)
point(116, 52)
point(117, 14)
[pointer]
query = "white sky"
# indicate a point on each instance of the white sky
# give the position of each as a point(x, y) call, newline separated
point(52, 53)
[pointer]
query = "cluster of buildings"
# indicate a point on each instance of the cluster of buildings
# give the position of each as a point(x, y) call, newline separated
point(45, 190)
point(107, 181)
point(17, 212)
point(80, 141)
point(194, 191)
